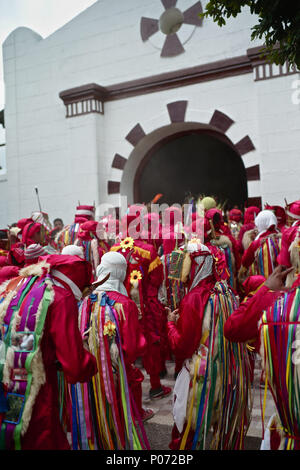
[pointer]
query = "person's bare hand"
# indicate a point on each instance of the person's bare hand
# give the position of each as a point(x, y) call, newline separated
point(276, 281)
point(87, 291)
point(172, 316)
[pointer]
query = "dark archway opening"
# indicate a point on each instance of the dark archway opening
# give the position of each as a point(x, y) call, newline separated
point(192, 163)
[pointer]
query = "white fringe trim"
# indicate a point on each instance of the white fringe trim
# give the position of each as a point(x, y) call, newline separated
point(247, 239)
point(295, 262)
point(4, 305)
point(37, 269)
point(222, 240)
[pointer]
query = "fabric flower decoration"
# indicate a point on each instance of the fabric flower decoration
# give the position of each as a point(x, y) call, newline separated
point(128, 242)
point(109, 328)
point(196, 240)
point(135, 277)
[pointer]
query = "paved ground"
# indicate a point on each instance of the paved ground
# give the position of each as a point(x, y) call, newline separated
point(159, 428)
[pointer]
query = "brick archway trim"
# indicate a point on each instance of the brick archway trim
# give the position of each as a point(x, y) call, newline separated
point(219, 121)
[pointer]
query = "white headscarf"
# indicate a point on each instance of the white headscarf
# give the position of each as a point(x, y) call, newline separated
point(112, 263)
point(264, 220)
point(205, 263)
point(73, 250)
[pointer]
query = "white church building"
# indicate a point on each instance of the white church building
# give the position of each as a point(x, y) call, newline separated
point(138, 97)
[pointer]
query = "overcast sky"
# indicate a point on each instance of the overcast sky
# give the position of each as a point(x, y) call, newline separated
point(43, 16)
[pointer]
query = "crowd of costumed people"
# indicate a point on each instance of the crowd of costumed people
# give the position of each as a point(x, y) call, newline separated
point(88, 309)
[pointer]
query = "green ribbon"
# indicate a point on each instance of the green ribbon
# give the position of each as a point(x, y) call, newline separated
point(38, 332)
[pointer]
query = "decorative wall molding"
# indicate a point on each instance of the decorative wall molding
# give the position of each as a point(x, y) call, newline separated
point(119, 162)
point(113, 187)
point(177, 111)
point(84, 99)
point(90, 98)
point(253, 173)
point(135, 135)
point(267, 71)
point(221, 121)
point(244, 146)
point(263, 70)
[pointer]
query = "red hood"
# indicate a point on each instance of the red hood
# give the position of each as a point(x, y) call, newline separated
point(75, 268)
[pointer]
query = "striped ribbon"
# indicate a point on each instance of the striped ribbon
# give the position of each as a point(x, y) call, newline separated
point(229, 363)
point(279, 331)
point(103, 414)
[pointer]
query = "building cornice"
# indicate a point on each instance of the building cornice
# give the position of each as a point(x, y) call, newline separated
point(91, 97)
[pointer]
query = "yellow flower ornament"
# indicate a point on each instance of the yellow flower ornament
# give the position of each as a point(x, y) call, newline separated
point(196, 240)
point(127, 243)
point(109, 328)
point(135, 277)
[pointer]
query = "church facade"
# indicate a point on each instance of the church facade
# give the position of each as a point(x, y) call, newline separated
point(135, 98)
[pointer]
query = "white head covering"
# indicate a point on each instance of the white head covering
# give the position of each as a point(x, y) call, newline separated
point(73, 250)
point(264, 220)
point(112, 263)
point(14, 231)
point(204, 262)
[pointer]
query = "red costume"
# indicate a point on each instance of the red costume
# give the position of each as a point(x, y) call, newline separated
point(144, 277)
point(289, 252)
point(242, 325)
point(190, 339)
point(261, 256)
point(61, 344)
point(222, 237)
point(243, 239)
point(8, 272)
point(280, 215)
point(68, 235)
point(89, 238)
point(133, 345)
point(289, 235)
point(277, 311)
point(235, 222)
point(248, 257)
point(32, 233)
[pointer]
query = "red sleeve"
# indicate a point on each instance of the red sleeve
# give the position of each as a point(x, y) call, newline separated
point(249, 254)
point(242, 325)
point(184, 336)
point(236, 252)
point(155, 271)
point(133, 340)
point(78, 364)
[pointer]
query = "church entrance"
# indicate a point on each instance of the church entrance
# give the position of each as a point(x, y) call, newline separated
point(193, 162)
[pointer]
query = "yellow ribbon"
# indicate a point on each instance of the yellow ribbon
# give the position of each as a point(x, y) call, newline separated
point(266, 261)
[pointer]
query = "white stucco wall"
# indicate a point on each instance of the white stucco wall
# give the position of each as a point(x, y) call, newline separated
point(70, 159)
point(278, 123)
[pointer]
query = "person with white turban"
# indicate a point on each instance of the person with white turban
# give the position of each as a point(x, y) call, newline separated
point(260, 258)
point(212, 378)
point(73, 250)
point(132, 338)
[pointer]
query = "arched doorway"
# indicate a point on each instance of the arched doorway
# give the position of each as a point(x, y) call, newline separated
point(192, 162)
